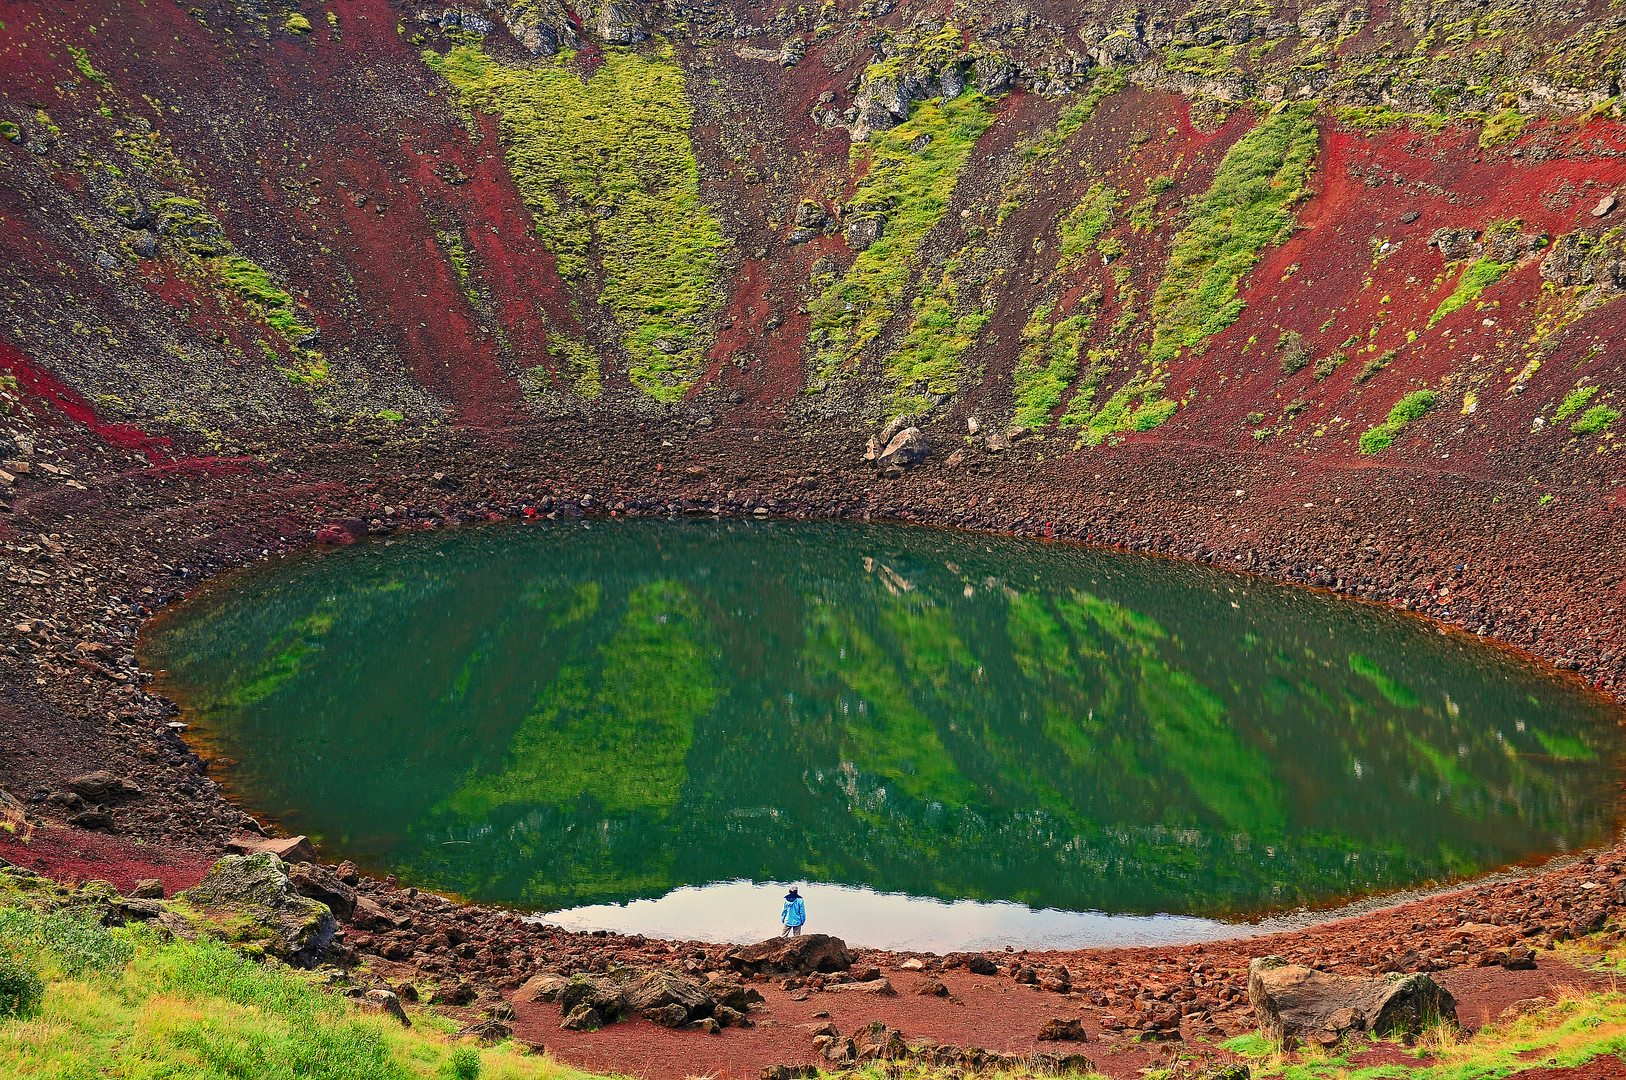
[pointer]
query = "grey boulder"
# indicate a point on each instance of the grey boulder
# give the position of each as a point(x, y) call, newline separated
point(907, 447)
point(1299, 1004)
point(669, 999)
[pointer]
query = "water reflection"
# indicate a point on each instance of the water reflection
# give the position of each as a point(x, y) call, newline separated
point(556, 716)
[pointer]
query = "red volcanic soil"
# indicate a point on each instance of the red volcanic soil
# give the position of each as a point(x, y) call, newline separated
point(74, 856)
point(992, 1012)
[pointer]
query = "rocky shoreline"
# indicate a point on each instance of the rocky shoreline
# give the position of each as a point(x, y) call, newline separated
point(109, 536)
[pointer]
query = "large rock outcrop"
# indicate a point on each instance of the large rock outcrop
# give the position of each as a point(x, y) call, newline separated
point(793, 956)
point(292, 927)
point(1299, 1004)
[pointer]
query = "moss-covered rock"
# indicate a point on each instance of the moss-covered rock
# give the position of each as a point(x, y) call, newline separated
point(267, 910)
point(186, 223)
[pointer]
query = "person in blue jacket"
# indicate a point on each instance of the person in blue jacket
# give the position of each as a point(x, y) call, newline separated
point(794, 915)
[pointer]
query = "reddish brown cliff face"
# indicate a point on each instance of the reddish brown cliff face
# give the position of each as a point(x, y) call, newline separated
point(240, 220)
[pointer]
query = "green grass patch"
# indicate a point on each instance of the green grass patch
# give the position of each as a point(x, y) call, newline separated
point(1480, 275)
point(1103, 85)
point(1249, 205)
point(578, 363)
point(1572, 1031)
point(1407, 409)
point(607, 170)
point(1574, 402)
point(81, 60)
point(1137, 406)
point(1048, 363)
point(1595, 420)
point(909, 190)
point(1084, 223)
point(124, 1003)
point(1502, 127)
point(1378, 117)
point(249, 280)
point(928, 360)
point(458, 255)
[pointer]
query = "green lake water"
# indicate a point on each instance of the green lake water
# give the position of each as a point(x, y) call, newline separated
point(567, 714)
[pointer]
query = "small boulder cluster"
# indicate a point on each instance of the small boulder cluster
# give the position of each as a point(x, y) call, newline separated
point(899, 446)
point(878, 1042)
point(669, 998)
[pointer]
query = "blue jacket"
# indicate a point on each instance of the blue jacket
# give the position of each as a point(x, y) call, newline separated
point(794, 914)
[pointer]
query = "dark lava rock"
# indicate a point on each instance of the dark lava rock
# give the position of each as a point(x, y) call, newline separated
point(788, 1072)
point(147, 889)
point(93, 821)
point(489, 1032)
point(458, 993)
point(102, 787)
point(907, 447)
point(669, 999)
point(582, 1018)
point(293, 849)
point(792, 956)
point(603, 997)
point(1296, 1003)
point(1059, 1030)
point(931, 988)
point(386, 1001)
point(733, 994)
point(670, 1015)
point(877, 1042)
point(312, 881)
point(731, 1017)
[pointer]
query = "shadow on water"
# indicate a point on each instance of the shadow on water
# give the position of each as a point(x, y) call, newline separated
point(585, 713)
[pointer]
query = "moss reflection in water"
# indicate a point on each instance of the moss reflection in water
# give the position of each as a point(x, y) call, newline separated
point(570, 714)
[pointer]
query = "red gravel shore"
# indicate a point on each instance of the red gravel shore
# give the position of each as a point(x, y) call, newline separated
point(1481, 553)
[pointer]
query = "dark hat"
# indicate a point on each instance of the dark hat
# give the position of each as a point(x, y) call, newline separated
point(793, 894)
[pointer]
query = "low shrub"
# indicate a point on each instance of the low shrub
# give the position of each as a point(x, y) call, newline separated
point(1295, 354)
point(1374, 365)
point(1329, 364)
point(21, 988)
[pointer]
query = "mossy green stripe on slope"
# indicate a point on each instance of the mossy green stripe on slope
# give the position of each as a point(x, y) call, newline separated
point(1249, 205)
point(617, 144)
point(910, 189)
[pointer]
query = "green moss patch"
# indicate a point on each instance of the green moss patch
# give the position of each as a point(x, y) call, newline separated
point(928, 361)
point(1574, 402)
point(1407, 409)
point(1248, 206)
point(909, 190)
point(81, 60)
point(1048, 363)
point(578, 363)
point(1480, 275)
point(607, 170)
point(249, 280)
point(1595, 420)
point(1084, 223)
point(1502, 127)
